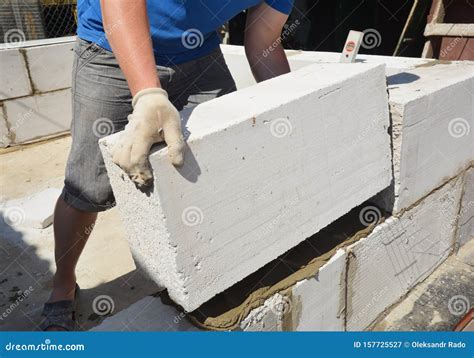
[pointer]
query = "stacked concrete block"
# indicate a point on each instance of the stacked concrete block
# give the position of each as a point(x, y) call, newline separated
point(266, 168)
point(40, 67)
point(432, 113)
point(4, 133)
point(364, 279)
point(35, 82)
point(394, 65)
point(38, 116)
point(466, 214)
point(238, 65)
point(311, 304)
point(400, 253)
point(14, 80)
point(50, 66)
point(314, 304)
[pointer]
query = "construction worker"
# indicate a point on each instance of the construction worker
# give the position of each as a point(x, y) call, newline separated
point(149, 59)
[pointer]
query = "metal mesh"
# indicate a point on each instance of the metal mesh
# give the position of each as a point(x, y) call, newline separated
point(22, 20)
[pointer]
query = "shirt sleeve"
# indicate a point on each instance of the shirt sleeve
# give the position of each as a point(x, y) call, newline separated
point(283, 6)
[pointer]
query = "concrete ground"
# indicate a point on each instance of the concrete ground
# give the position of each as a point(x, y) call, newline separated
point(27, 257)
point(107, 274)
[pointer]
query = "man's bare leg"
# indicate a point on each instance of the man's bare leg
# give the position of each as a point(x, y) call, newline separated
point(72, 228)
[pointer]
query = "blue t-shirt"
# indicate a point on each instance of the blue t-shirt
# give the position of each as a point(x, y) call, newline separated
point(181, 30)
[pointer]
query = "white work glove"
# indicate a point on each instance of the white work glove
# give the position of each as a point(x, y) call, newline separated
point(153, 120)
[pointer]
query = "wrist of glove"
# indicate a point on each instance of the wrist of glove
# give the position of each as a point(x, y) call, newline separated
point(154, 119)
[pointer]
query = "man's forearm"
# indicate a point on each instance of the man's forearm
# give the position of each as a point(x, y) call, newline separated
point(127, 28)
point(266, 56)
point(273, 64)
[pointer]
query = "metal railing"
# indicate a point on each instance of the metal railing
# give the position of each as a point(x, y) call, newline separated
point(22, 20)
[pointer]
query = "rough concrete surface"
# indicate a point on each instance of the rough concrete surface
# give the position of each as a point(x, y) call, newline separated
point(400, 253)
point(432, 116)
point(37, 116)
point(43, 61)
point(207, 225)
point(466, 214)
point(14, 81)
point(440, 301)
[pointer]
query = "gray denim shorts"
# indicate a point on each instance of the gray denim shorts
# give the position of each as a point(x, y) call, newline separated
point(101, 102)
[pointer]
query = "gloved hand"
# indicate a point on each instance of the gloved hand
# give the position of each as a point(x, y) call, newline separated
point(153, 120)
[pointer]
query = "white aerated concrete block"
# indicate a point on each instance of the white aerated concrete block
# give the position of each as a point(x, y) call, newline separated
point(38, 116)
point(14, 80)
point(267, 167)
point(34, 211)
point(4, 133)
point(50, 66)
point(399, 253)
point(433, 128)
point(315, 304)
point(268, 317)
point(240, 70)
point(318, 303)
point(394, 65)
point(466, 215)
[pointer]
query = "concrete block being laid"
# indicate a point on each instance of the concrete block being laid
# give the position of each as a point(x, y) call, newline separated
point(276, 152)
point(400, 253)
point(432, 115)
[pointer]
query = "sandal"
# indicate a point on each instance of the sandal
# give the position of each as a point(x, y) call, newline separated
point(60, 314)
